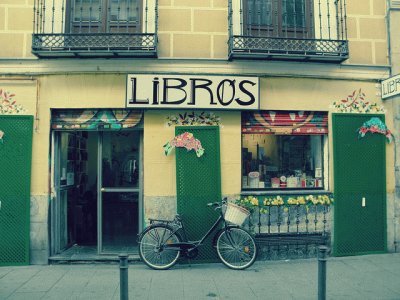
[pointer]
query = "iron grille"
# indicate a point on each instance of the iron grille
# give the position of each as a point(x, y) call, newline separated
point(95, 28)
point(313, 30)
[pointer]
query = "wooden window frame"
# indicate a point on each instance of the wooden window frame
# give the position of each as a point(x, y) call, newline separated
point(276, 29)
point(105, 25)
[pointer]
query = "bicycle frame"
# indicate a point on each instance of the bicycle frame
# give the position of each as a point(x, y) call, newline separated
point(190, 245)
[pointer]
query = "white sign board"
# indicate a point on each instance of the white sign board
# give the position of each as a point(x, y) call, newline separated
point(391, 87)
point(192, 92)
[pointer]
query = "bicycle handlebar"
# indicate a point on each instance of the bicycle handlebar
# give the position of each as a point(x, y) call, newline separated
point(217, 204)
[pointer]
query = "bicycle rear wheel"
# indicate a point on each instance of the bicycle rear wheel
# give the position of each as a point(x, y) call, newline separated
point(154, 250)
point(236, 248)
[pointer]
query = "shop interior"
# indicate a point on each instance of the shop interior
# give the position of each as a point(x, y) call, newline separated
point(271, 161)
point(95, 218)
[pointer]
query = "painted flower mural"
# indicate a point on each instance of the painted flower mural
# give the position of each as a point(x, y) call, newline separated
point(203, 118)
point(356, 103)
point(1, 136)
point(375, 125)
point(9, 106)
point(184, 140)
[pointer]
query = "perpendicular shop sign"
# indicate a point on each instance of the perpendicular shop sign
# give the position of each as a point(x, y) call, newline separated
point(391, 87)
point(192, 92)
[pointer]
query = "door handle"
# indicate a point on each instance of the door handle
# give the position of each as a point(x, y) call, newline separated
point(0, 205)
point(363, 202)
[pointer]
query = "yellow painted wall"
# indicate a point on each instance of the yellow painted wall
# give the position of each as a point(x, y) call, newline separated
point(16, 24)
point(68, 91)
point(159, 174)
point(199, 29)
point(108, 91)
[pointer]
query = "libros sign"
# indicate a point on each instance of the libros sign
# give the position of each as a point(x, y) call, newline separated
point(192, 92)
point(391, 87)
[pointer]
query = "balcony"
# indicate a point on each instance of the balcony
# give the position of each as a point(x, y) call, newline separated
point(95, 28)
point(299, 30)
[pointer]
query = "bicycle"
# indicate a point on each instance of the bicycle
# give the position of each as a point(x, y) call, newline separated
point(165, 241)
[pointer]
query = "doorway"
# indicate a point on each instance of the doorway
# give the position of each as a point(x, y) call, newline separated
point(97, 188)
point(360, 187)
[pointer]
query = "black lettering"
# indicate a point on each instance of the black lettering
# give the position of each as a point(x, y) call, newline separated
point(168, 86)
point(391, 87)
point(134, 100)
point(384, 89)
point(247, 92)
point(204, 86)
point(156, 84)
point(397, 83)
point(221, 91)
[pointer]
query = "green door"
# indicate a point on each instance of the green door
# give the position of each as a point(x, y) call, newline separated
point(359, 187)
point(15, 175)
point(198, 182)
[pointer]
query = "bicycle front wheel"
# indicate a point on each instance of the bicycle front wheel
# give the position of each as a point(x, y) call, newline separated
point(236, 248)
point(154, 250)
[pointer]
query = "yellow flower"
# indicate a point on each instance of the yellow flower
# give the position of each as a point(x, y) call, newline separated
point(285, 209)
point(254, 201)
point(267, 201)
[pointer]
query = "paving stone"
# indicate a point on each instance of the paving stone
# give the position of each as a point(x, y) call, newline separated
point(361, 277)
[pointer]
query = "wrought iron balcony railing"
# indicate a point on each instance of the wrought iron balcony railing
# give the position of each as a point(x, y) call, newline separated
point(312, 30)
point(290, 231)
point(95, 28)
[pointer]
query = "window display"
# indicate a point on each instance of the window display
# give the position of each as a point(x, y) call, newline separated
point(277, 153)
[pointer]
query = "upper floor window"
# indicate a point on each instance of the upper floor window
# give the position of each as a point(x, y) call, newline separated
point(95, 28)
point(290, 18)
point(103, 16)
point(288, 29)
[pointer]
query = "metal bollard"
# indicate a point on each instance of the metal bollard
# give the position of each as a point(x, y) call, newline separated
point(322, 272)
point(123, 276)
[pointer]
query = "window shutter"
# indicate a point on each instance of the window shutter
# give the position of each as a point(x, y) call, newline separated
point(101, 119)
point(285, 122)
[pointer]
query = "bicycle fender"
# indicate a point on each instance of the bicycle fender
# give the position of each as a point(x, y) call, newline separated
point(155, 225)
point(219, 232)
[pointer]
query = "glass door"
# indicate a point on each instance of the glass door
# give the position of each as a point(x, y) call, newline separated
point(119, 187)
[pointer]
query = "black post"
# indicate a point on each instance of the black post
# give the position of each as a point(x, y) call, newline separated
point(123, 276)
point(322, 272)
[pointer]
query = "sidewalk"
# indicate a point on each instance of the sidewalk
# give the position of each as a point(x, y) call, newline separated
point(359, 277)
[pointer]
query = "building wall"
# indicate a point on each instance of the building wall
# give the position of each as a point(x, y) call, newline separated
point(199, 29)
point(16, 23)
point(193, 38)
point(394, 23)
point(367, 32)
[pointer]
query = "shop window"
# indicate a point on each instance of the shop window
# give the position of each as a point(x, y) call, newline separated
point(284, 150)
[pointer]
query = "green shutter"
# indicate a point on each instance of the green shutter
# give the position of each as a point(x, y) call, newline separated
point(15, 174)
point(198, 182)
point(359, 172)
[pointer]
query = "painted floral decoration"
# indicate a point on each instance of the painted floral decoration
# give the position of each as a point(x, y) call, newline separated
point(356, 103)
point(204, 118)
point(1, 136)
point(375, 125)
point(8, 105)
point(184, 140)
